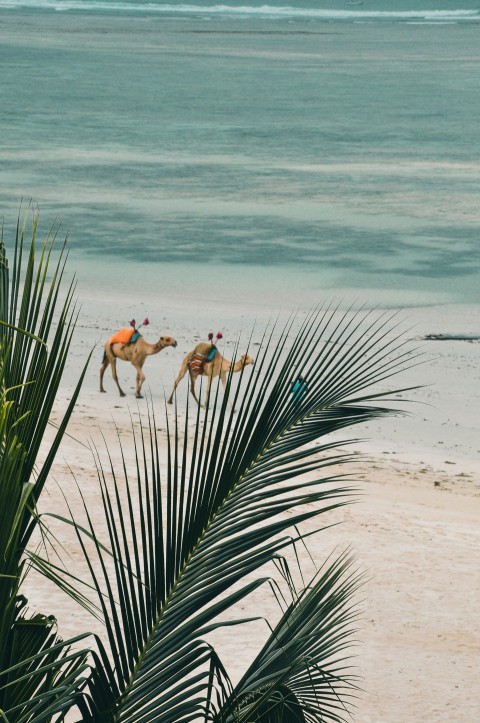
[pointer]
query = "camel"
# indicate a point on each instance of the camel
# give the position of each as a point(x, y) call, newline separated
point(134, 353)
point(195, 363)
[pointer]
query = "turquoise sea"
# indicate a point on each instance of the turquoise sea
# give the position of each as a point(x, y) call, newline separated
point(331, 144)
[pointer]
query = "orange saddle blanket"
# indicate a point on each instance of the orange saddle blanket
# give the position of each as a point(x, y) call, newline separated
point(122, 337)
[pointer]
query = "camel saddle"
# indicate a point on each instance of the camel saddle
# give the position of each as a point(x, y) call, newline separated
point(198, 361)
point(124, 336)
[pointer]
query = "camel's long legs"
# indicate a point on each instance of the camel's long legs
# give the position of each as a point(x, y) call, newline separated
point(140, 378)
point(113, 364)
point(193, 379)
point(105, 364)
point(181, 374)
point(111, 359)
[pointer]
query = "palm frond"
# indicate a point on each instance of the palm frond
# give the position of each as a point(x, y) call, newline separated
point(39, 677)
point(43, 676)
point(302, 673)
point(187, 533)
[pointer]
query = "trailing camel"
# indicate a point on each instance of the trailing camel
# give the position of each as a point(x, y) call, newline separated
point(205, 360)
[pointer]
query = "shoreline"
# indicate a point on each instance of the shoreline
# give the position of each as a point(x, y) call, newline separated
point(438, 426)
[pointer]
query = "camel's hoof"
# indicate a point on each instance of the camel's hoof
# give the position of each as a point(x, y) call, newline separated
point(122, 394)
point(103, 391)
point(170, 401)
point(139, 396)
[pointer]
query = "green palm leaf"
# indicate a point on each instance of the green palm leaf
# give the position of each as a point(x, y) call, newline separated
point(213, 514)
point(302, 672)
point(39, 678)
point(43, 676)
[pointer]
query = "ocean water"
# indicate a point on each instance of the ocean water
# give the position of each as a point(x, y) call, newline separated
point(272, 148)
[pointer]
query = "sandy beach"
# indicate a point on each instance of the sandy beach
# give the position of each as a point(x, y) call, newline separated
point(414, 529)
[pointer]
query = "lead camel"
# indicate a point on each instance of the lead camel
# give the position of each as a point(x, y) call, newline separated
point(136, 354)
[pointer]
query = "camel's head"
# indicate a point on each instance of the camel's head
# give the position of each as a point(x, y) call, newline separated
point(246, 360)
point(166, 341)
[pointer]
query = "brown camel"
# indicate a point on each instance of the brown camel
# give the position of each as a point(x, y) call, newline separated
point(196, 365)
point(134, 353)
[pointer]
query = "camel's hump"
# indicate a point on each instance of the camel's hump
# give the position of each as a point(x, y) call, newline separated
point(203, 348)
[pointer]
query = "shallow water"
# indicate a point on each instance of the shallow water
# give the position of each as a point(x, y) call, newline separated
point(334, 146)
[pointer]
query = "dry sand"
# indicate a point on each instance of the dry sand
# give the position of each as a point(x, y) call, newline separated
point(415, 531)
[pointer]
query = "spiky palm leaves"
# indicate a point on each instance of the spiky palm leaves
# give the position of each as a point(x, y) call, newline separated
point(36, 679)
point(191, 533)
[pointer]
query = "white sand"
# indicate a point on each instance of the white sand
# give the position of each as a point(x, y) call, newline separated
point(415, 531)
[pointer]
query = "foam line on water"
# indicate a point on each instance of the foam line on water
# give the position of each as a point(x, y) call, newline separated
point(273, 11)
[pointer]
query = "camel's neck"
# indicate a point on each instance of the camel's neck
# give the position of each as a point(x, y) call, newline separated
point(154, 348)
point(238, 365)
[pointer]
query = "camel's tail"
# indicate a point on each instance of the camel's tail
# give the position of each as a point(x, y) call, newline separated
point(104, 359)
